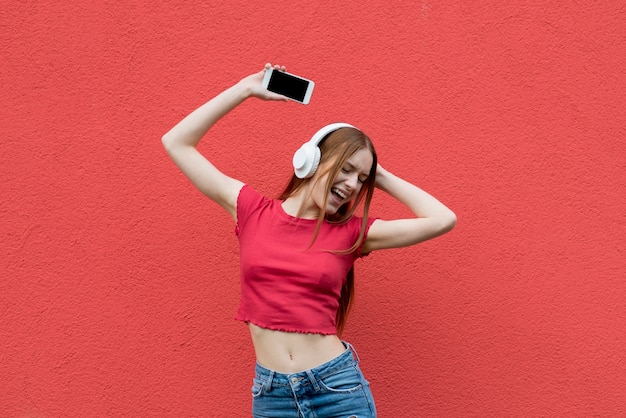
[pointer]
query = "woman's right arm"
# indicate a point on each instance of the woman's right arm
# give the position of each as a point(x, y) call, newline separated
point(181, 141)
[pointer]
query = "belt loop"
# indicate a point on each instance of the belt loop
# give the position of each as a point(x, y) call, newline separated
point(313, 380)
point(354, 353)
point(268, 384)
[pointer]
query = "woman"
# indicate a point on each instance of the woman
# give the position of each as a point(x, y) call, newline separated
point(297, 254)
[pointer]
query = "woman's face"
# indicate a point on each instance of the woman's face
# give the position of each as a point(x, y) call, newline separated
point(348, 183)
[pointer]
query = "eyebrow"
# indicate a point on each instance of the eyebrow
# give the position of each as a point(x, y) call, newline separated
point(351, 166)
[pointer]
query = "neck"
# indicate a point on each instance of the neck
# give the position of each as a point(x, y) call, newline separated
point(301, 205)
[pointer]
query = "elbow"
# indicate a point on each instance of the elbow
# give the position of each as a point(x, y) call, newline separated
point(452, 221)
point(447, 222)
point(165, 140)
point(168, 142)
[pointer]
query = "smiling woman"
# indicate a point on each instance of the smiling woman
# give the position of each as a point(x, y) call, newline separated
point(346, 172)
point(297, 254)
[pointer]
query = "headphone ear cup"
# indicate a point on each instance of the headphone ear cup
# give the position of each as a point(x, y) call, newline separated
point(316, 161)
point(306, 160)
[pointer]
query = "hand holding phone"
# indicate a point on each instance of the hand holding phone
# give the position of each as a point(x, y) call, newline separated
point(296, 88)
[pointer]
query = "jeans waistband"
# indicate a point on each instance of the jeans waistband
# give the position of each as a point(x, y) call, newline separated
point(273, 378)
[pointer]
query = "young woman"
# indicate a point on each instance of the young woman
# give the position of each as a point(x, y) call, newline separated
point(297, 254)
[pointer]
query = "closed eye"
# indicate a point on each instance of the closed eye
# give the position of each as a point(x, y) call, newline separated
point(349, 168)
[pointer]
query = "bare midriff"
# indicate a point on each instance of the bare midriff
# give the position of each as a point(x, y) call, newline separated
point(291, 352)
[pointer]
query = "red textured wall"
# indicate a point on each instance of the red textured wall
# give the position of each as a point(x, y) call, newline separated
point(119, 280)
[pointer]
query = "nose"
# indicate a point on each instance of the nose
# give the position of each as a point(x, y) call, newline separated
point(352, 182)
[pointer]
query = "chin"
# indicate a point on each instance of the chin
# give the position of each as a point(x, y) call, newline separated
point(331, 210)
point(334, 210)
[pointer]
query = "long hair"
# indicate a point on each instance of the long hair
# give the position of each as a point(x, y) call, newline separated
point(337, 148)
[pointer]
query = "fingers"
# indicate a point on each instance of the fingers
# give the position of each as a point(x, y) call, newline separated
point(275, 66)
point(278, 97)
point(268, 95)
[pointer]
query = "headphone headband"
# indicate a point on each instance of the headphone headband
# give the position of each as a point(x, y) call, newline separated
point(326, 130)
point(307, 158)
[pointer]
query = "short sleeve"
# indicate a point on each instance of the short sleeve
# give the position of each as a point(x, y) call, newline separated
point(248, 201)
point(369, 223)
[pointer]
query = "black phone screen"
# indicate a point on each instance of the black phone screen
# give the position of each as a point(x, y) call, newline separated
point(288, 85)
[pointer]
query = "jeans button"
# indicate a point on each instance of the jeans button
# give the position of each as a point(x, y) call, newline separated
point(294, 380)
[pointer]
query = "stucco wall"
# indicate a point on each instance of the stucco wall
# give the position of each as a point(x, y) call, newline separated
point(120, 281)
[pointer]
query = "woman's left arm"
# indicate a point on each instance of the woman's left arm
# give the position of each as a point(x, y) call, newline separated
point(432, 218)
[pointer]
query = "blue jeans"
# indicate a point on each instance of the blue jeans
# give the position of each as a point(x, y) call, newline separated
point(334, 389)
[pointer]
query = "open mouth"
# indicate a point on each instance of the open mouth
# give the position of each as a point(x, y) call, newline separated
point(338, 193)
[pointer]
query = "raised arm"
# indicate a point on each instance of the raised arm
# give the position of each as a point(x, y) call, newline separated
point(432, 218)
point(181, 141)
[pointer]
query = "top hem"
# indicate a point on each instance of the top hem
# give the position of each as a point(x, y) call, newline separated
point(286, 329)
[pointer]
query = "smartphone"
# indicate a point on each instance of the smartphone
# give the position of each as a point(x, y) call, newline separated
point(296, 88)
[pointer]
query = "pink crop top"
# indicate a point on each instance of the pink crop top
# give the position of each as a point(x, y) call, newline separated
point(285, 285)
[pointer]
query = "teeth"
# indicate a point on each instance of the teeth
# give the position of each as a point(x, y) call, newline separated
point(340, 193)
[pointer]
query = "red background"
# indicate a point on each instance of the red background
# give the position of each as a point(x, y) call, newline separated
point(120, 281)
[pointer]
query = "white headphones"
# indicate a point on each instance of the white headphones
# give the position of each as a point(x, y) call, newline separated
point(307, 158)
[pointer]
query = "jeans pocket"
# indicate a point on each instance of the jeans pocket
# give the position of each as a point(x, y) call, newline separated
point(346, 380)
point(257, 387)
